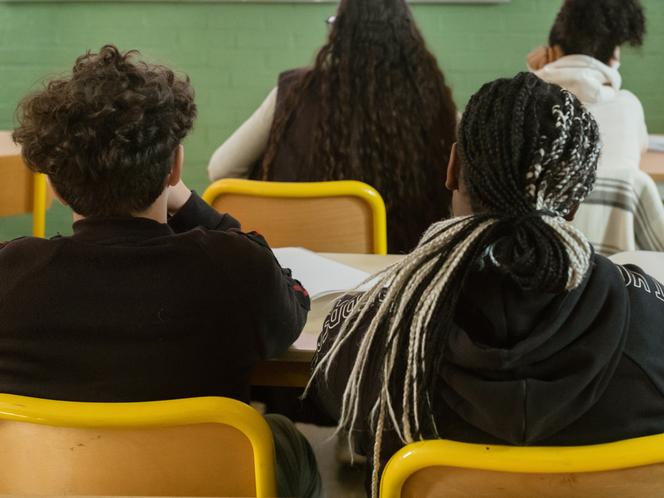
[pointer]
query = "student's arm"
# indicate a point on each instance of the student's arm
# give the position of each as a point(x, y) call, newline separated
point(281, 304)
point(237, 155)
point(328, 391)
point(541, 56)
point(643, 130)
point(190, 211)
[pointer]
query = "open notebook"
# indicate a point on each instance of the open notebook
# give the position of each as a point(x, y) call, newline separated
point(319, 275)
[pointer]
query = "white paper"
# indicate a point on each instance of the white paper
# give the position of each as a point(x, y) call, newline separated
point(656, 143)
point(306, 342)
point(319, 275)
point(651, 262)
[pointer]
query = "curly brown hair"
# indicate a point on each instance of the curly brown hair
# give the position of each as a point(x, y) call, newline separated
point(385, 114)
point(596, 27)
point(106, 135)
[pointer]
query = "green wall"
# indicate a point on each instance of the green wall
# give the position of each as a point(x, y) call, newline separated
point(233, 53)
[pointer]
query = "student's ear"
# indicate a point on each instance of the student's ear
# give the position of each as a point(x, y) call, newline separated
point(570, 216)
point(175, 175)
point(616, 54)
point(452, 179)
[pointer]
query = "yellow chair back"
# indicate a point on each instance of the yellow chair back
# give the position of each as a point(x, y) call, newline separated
point(338, 216)
point(21, 191)
point(205, 446)
point(427, 469)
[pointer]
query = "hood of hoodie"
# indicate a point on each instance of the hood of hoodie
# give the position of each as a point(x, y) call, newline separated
point(521, 366)
point(590, 80)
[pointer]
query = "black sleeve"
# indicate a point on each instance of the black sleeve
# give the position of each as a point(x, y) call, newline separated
point(282, 310)
point(328, 392)
point(197, 213)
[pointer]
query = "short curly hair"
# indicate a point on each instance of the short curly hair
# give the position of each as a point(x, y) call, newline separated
point(597, 27)
point(107, 134)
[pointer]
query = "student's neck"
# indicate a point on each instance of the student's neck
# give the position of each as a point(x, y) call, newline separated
point(157, 212)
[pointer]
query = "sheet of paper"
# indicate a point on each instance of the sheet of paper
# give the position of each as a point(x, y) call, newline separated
point(306, 342)
point(651, 262)
point(656, 143)
point(319, 275)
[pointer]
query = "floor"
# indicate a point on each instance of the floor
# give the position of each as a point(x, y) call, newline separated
point(339, 481)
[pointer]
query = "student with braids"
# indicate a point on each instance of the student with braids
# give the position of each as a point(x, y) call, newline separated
point(503, 325)
point(374, 107)
point(624, 212)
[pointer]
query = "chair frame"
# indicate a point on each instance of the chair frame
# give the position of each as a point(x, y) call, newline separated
point(308, 190)
point(618, 455)
point(39, 201)
point(146, 414)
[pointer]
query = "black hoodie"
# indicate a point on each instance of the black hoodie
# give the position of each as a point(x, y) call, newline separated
point(582, 367)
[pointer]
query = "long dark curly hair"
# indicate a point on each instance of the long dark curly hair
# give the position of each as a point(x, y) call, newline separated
point(597, 27)
point(385, 114)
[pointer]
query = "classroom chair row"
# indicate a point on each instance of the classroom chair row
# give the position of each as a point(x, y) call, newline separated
point(213, 446)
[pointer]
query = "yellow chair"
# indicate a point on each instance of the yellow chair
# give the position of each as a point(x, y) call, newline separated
point(427, 469)
point(21, 191)
point(186, 447)
point(339, 216)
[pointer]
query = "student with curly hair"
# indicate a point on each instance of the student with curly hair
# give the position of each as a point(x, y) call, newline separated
point(503, 325)
point(625, 211)
point(374, 107)
point(583, 57)
point(155, 295)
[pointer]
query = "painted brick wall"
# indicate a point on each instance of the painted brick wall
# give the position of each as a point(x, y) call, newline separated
point(233, 53)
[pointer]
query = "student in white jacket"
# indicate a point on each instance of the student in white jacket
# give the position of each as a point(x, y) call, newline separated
point(624, 212)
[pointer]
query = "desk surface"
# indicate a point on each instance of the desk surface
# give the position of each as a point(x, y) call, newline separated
point(653, 164)
point(293, 369)
point(651, 262)
point(7, 145)
point(370, 263)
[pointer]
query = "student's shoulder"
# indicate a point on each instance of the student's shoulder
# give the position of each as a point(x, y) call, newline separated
point(630, 100)
point(29, 242)
point(293, 75)
point(26, 251)
point(639, 285)
point(246, 250)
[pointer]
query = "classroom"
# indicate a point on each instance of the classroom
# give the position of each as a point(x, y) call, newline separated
point(332, 248)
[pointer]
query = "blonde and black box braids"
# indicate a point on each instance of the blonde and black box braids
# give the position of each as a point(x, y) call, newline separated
point(529, 153)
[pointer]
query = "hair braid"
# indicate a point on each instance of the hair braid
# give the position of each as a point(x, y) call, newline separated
point(528, 151)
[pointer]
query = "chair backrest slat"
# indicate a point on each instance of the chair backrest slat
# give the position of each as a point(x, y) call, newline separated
point(428, 469)
point(189, 447)
point(343, 216)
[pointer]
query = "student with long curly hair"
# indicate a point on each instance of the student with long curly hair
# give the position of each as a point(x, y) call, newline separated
point(503, 325)
point(625, 211)
point(374, 107)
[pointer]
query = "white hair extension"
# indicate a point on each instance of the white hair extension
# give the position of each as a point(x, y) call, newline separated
point(551, 189)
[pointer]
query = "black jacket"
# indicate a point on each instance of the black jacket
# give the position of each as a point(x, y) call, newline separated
point(128, 309)
point(582, 367)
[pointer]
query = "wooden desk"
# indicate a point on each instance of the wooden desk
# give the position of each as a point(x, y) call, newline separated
point(16, 186)
point(650, 261)
point(293, 369)
point(653, 164)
